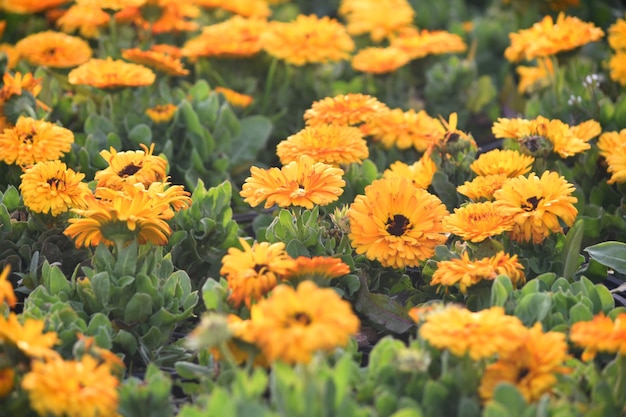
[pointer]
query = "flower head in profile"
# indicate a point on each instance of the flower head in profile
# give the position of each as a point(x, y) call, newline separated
point(254, 270)
point(318, 268)
point(162, 113)
point(110, 73)
point(507, 162)
point(612, 146)
point(30, 6)
point(86, 19)
point(405, 129)
point(307, 40)
point(379, 18)
point(601, 334)
point(304, 183)
point(331, 144)
point(540, 205)
point(29, 336)
point(51, 187)
point(421, 172)
point(453, 139)
point(292, 324)
point(482, 187)
point(466, 272)
point(131, 167)
point(533, 78)
point(158, 61)
point(245, 8)
point(54, 49)
point(351, 109)
point(532, 367)
point(234, 98)
point(396, 223)
point(418, 44)
point(7, 294)
point(476, 222)
point(32, 141)
point(379, 60)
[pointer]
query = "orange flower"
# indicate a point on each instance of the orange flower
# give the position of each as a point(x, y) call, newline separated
point(600, 335)
point(404, 129)
point(535, 78)
point(380, 18)
point(13, 57)
point(612, 146)
point(131, 167)
point(30, 6)
point(162, 113)
point(246, 8)
point(158, 61)
point(420, 172)
point(6, 289)
point(54, 49)
point(28, 337)
point(317, 268)
point(109, 73)
point(617, 67)
point(418, 44)
point(112, 4)
point(478, 221)
point(234, 98)
point(345, 109)
point(376, 60)
point(88, 20)
point(482, 187)
point(617, 35)
point(507, 162)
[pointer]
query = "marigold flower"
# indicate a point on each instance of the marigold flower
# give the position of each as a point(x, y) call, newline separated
point(481, 335)
point(345, 110)
point(421, 172)
point(32, 141)
point(380, 18)
point(131, 167)
point(612, 146)
point(548, 37)
point(617, 67)
point(318, 269)
point(291, 324)
point(537, 77)
point(405, 129)
point(53, 49)
point(86, 19)
point(396, 223)
point(476, 222)
point(76, 388)
point(6, 289)
point(532, 367)
point(7, 381)
point(418, 44)
point(28, 337)
point(378, 60)
point(482, 187)
point(162, 113)
point(307, 40)
point(541, 204)
point(30, 6)
point(331, 144)
point(466, 272)
point(109, 73)
point(600, 335)
point(158, 61)
point(617, 35)
point(50, 187)
point(245, 8)
point(508, 162)
point(234, 98)
point(254, 271)
point(302, 183)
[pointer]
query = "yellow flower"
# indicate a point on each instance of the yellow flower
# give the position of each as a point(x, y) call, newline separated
point(245, 8)
point(481, 335)
point(537, 77)
point(88, 20)
point(13, 57)
point(302, 183)
point(7, 295)
point(156, 60)
point(162, 113)
point(532, 367)
point(405, 129)
point(32, 141)
point(307, 40)
point(351, 109)
point(175, 17)
point(51, 187)
point(548, 37)
point(72, 388)
point(420, 172)
point(112, 4)
point(131, 167)
point(482, 187)
point(380, 18)
point(600, 335)
point(617, 67)
point(30, 6)
point(330, 144)
point(617, 35)
point(378, 60)
point(396, 223)
point(291, 324)
point(255, 270)
point(7, 381)
point(542, 203)
point(241, 343)
point(612, 146)
point(234, 98)
point(508, 162)
point(53, 49)
point(28, 337)
point(418, 44)
point(109, 73)
point(317, 268)
point(466, 272)
point(476, 222)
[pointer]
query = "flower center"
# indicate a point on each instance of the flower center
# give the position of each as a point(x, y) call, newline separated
point(129, 170)
point(259, 268)
point(301, 318)
point(398, 225)
point(531, 203)
point(523, 372)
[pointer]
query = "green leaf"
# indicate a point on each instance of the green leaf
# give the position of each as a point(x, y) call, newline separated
point(370, 171)
point(571, 250)
point(127, 260)
point(253, 136)
point(140, 134)
point(609, 253)
point(533, 308)
point(445, 190)
point(507, 394)
point(580, 312)
point(138, 309)
point(500, 290)
point(55, 280)
point(11, 198)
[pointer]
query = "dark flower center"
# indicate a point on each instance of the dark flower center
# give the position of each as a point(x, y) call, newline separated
point(129, 170)
point(531, 203)
point(301, 318)
point(258, 268)
point(50, 52)
point(523, 372)
point(398, 225)
point(53, 182)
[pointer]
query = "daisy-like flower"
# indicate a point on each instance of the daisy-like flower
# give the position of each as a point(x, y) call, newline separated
point(318, 268)
point(548, 37)
point(30, 6)
point(617, 67)
point(612, 146)
point(302, 183)
point(234, 98)
point(600, 335)
point(405, 129)
point(291, 324)
point(162, 113)
point(379, 60)
point(536, 77)
point(255, 270)
point(87, 20)
point(476, 222)
point(617, 35)
point(542, 203)
point(307, 40)
point(7, 295)
point(418, 44)
point(109, 73)
point(465, 272)
point(28, 337)
point(330, 144)
point(76, 388)
point(245, 8)
point(380, 18)
point(351, 109)
point(32, 141)
point(158, 61)
point(420, 172)
point(482, 187)
point(51, 187)
point(481, 335)
point(131, 167)
point(508, 162)
point(396, 223)
point(53, 49)
point(532, 367)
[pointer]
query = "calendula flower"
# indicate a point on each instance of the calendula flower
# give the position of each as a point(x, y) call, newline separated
point(307, 40)
point(532, 367)
point(131, 167)
point(15, 85)
point(405, 129)
point(158, 61)
point(75, 388)
point(548, 37)
point(7, 381)
point(240, 344)
point(255, 270)
point(379, 18)
point(482, 187)
point(379, 60)
point(51, 187)
point(351, 109)
point(291, 324)
point(234, 98)
point(30, 6)
point(418, 44)
point(617, 35)
point(162, 113)
point(318, 268)
point(396, 223)
point(508, 162)
point(617, 67)
point(32, 141)
point(302, 183)
point(53, 49)
point(112, 4)
point(536, 77)
point(466, 272)
point(12, 56)
point(600, 335)
point(476, 222)
point(330, 144)
point(86, 19)
point(28, 337)
point(420, 172)
point(245, 8)
point(453, 140)
point(542, 203)
point(7, 295)
point(481, 335)
point(612, 146)
point(175, 16)
point(109, 73)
